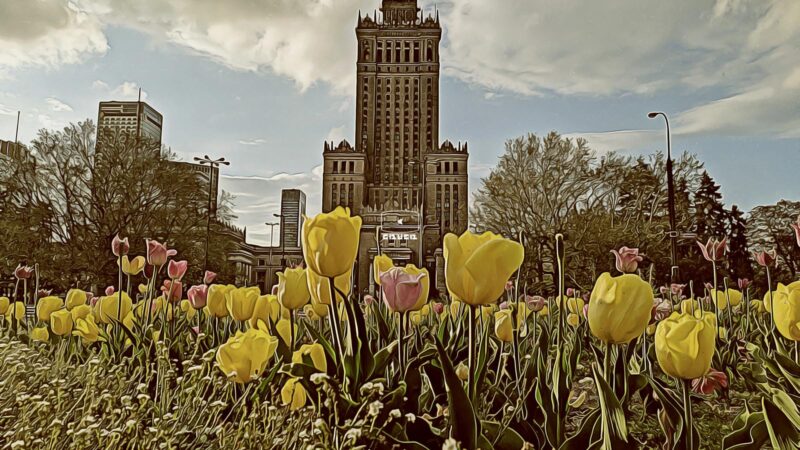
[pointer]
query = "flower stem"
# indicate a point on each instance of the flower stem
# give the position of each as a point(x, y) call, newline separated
point(687, 413)
point(471, 354)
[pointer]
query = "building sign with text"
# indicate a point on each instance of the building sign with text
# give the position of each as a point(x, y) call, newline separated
point(398, 236)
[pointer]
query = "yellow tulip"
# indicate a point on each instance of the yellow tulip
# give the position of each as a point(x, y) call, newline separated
point(380, 264)
point(685, 344)
point(107, 308)
point(46, 305)
point(293, 288)
point(575, 305)
point(418, 316)
point(160, 308)
point(16, 311)
point(75, 298)
point(721, 298)
point(241, 302)
point(284, 329)
point(425, 282)
point(40, 334)
point(315, 311)
point(758, 306)
point(503, 326)
point(87, 330)
point(477, 267)
point(4, 302)
point(187, 309)
point(61, 322)
point(315, 353)
point(245, 355)
point(619, 308)
point(545, 311)
point(689, 305)
point(130, 320)
point(330, 242)
point(320, 288)
point(293, 394)
point(133, 266)
point(786, 310)
point(462, 371)
point(651, 329)
point(573, 319)
point(455, 308)
point(217, 302)
point(723, 333)
point(142, 289)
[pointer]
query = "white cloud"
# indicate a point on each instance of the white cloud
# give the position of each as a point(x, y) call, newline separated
point(336, 134)
point(621, 140)
point(6, 111)
point(257, 141)
point(47, 33)
point(128, 90)
point(100, 85)
point(257, 198)
point(57, 105)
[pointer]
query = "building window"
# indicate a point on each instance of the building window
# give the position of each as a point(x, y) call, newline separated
point(334, 195)
point(336, 167)
point(352, 167)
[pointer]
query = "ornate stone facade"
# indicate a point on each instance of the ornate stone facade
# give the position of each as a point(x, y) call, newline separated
point(397, 159)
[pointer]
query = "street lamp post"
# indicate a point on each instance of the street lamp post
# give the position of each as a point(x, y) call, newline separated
point(673, 233)
point(280, 216)
point(212, 164)
point(271, 226)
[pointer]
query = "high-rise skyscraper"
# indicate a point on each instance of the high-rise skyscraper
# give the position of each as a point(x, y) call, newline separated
point(397, 159)
point(293, 207)
point(137, 118)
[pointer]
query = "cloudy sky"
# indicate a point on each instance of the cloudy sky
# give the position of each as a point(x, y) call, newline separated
point(265, 82)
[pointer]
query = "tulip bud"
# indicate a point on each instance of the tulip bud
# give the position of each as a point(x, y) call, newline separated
point(685, 344)
point(173, 290)
point(330, 242)
point(23, 272)
point(157, 253)
point(401, 289)
point(477, 267)
point(710, 382)
point(293, 288)
point(620, 308)
point(462, 371)
point(198, 295)
point(535, 303)
point(61, 322)
point(75, 297)
point(438, 308)
point(177, 269)
point(380, 264)
point(786, 310)
point(713, 250)
point(45, 306)
point(241, 302)
point(209, 277)
point(744, 283)
point(109, 290)
point(764, 258)
point(293, 394)
point(245, 355)
point(627, 259)
point(509, 285)
point(4, 304)
point(368, 299)
point(503, 326)
point(40, 334)
point(796, 227)
point(119, 246)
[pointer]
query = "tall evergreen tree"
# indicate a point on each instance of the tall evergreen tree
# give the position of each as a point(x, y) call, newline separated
point(738, 258)
point(709, 212)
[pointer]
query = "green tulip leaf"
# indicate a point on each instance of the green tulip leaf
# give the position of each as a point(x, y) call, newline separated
point(614, 428)
point(501, 437)
point(464, 424)
point(783, 433)
point(589, 434)
point(749, 432)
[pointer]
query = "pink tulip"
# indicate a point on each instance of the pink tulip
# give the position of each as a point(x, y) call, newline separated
point(274, 290)
point(710, 382)
point(157, 253)
point(570, 292)
point(662, 308)
point(177, 269)
point(400, 289)
point(764, 258)
point(119, 246)
point(209, 277)
point(368, 299)
point(627, 259)
point(796, 227)
point(509, 285)
point(149, 271)
point(677, 289)
point(23, 272)
point(535, 303)
point(198, 295)
point(744, 283)
point(504, 305)
point(713, 250)
point(44, 293)
point(109, 291)
point(89, 297)
point(173, 290)
point(438, 308)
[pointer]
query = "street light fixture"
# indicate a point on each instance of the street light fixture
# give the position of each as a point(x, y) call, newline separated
point(212, 164)
point(280, 216)
point(271, 226)
point(673, 233)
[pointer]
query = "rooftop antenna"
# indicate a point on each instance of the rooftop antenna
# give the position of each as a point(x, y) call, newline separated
point(140, 95)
